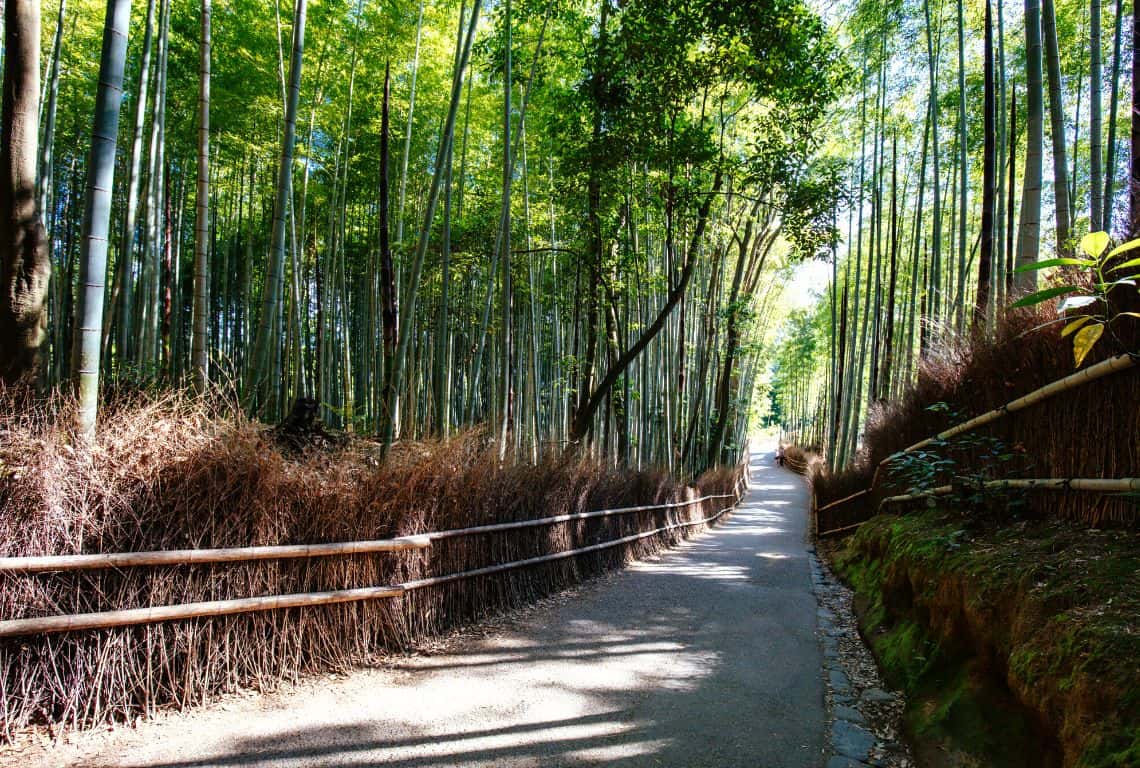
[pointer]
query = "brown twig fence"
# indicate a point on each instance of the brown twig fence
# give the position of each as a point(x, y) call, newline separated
point(147, 615)
point(847, 514)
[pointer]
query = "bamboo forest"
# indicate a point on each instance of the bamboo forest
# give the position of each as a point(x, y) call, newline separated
point(346, 344)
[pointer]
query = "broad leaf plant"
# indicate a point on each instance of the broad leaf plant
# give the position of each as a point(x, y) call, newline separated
point(1088, 310)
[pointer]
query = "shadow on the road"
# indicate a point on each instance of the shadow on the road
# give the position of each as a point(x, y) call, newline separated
point(719, 667)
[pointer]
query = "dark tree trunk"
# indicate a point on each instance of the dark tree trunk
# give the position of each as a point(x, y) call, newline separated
point(989, 180)
point(1134, 174)
point(25, 268)
point(387, 273)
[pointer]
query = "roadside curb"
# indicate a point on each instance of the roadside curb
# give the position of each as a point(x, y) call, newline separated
point(863, 714)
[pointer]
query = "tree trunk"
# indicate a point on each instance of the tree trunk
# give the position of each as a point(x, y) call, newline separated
point(1010, 205)
point(1114, 102)
point(1056, 125)
point(1096, 150)
point(387, 274)
point(989, 181)
point(585, 414)
point(97, 213)
point(122, 288)
point(1134, 159)
point(199, 355)
point(408, 133)
point(407, 312)
point(505, 225)
point(48, 118)
point(1029, 229)
point(268, 343)
point(25, 266)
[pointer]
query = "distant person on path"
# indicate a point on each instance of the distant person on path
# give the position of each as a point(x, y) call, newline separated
point(780, 454)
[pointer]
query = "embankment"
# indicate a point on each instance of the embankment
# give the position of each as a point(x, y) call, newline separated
point(1017, 645)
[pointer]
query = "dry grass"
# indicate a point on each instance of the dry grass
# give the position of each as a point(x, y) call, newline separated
point(170, 472)
point(1088, 432)
point(801, 459)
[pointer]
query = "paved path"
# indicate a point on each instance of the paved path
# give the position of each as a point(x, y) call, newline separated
point(704, 656)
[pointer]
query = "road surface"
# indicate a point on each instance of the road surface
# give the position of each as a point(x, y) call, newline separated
point(704, 656)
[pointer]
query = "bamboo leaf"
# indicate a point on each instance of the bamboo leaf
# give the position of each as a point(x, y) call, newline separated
point(1061, 262)
point(1076, 324)
point(1094, 243)
point(1084, 340)
point(1044, 295)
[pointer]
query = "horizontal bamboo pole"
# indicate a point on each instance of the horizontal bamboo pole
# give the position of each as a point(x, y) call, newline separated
point(196, 556)
point(842, 529)
point(494, 527)
point(436, 580)
point(844, 500)
point(130, 616)
point(1092, 373)
point(242, 554)
point(1090, 484)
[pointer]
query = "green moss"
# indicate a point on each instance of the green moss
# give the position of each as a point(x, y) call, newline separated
point(907, 654)
point(1114, 751)
point(1054, 605)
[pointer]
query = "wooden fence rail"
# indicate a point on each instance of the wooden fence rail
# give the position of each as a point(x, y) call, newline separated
point(135, 616)
point(847, 514)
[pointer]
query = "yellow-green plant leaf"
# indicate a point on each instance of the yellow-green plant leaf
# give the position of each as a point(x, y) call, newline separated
point(1124, 247)
point(1094, 243)
point(1074, 325)
point(1129, 263)
point(1084, 340)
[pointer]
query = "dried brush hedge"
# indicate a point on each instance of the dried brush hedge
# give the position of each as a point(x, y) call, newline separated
point(801, 459)
point(170, 473)
point(1091, 431)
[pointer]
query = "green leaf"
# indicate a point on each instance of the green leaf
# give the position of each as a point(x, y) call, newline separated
point(1047, 263)
point(1074, 325)
point(1123, 247)
point(1121, 281)
point(1084, 340)
point(1094, 243)
point(1129, 263)
point(1045, 295)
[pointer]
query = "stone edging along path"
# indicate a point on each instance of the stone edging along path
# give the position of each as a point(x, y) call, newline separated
point(864, 716)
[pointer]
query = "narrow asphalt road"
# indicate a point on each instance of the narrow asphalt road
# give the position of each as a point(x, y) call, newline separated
point(704, 656)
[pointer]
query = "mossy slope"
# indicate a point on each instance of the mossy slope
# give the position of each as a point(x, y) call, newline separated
point(1018, 645)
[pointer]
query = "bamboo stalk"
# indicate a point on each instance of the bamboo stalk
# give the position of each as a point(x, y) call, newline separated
point(196, 556)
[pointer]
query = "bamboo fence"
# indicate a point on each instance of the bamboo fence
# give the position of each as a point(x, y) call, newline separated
point(844, 516)
point(148, 615)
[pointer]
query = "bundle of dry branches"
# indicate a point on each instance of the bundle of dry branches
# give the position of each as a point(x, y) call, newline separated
point(1090, 431)
point(174, 473)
